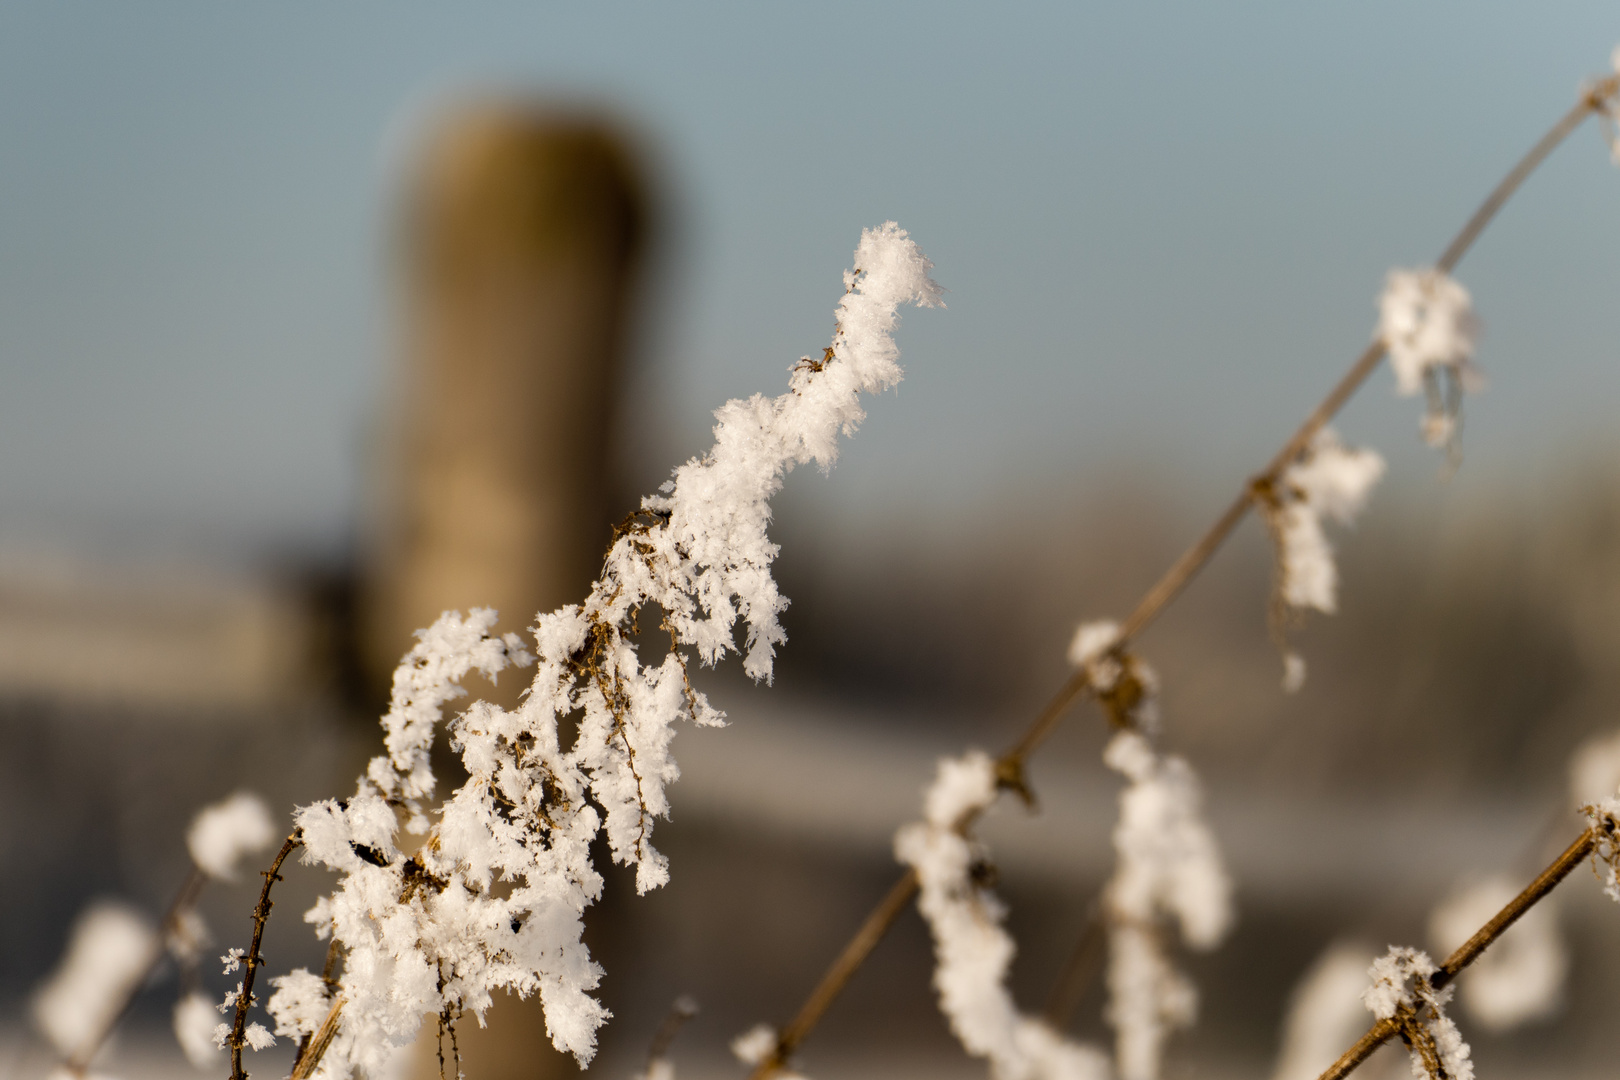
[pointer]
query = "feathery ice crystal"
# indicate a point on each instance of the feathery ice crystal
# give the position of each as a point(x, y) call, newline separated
point(1169, 869)
point(430, 933)
point(1427, 322)
point(1521, 976)
point(1401, 991)
point(972, 950)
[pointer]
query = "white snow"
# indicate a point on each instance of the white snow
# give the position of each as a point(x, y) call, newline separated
point(222, 834)
point(493, 901)
point(110, 951)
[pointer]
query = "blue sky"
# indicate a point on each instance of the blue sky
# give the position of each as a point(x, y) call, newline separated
point(1163, 227)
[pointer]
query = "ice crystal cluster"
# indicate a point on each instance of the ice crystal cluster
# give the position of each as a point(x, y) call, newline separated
point(223, 834)
point(973, 951)
point(1520, 978)
point(1604, 815)
point(1169, 871)
point(490, 896)
point(1426, 321)
point(1327, 481)
point(1401, 991)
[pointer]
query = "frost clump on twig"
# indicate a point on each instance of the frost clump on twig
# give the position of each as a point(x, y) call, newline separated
point(971, 948)
point(1124, 684)
point(1604, 816)
point(1328, 481)
point(1426, 321)
point(1169, 870)
point(494, 897)
point(221, 834)
point(1520, 978)
point(1609, 107)
point(1401, 992)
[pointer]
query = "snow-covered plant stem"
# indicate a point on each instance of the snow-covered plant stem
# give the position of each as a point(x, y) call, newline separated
point(436, 916)
point(1601, 99)
point(1598, 839)
point(254, 959)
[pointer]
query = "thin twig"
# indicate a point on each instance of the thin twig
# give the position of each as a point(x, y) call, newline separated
point(684, 1009)
point(261, 914)
point(1181, 572)
point(1469, 951)
point(1076, 974)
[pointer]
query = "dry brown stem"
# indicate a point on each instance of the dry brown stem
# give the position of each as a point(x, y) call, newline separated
point(1176, 578)
point(1469, 951)
point(309, 1058)
point(261, 914)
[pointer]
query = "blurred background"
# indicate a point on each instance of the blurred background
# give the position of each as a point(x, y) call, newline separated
point(316, 319)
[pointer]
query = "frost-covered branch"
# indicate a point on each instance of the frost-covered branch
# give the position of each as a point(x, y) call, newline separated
point(973, 950)
point(1285, 485)
point(241, 1033)
point(1598, 840)
point(488, 892)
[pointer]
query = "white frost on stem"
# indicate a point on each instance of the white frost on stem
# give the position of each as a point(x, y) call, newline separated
point(1125, 684)
point(1400, 987)
point(1169, 870)
point(972, 950)
point(1426, 321)
point(494, 899)
point(222, 834)
point(1520, 978)
point(110, 951)
point(1605, 814)
point(1330, 480)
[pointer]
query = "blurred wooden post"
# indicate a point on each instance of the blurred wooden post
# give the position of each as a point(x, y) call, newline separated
point(519, 249)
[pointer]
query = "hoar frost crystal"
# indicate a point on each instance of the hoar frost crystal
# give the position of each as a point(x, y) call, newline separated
point(422, 925)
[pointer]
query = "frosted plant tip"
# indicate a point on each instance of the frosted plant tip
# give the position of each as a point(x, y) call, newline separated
point(222, 834)
point(754, 1045)
point(1293, 672)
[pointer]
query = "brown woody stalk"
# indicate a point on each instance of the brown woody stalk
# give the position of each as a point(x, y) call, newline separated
point(261, 914)
point(1010, 767)
point(1469, 951)
point(309, 1056)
